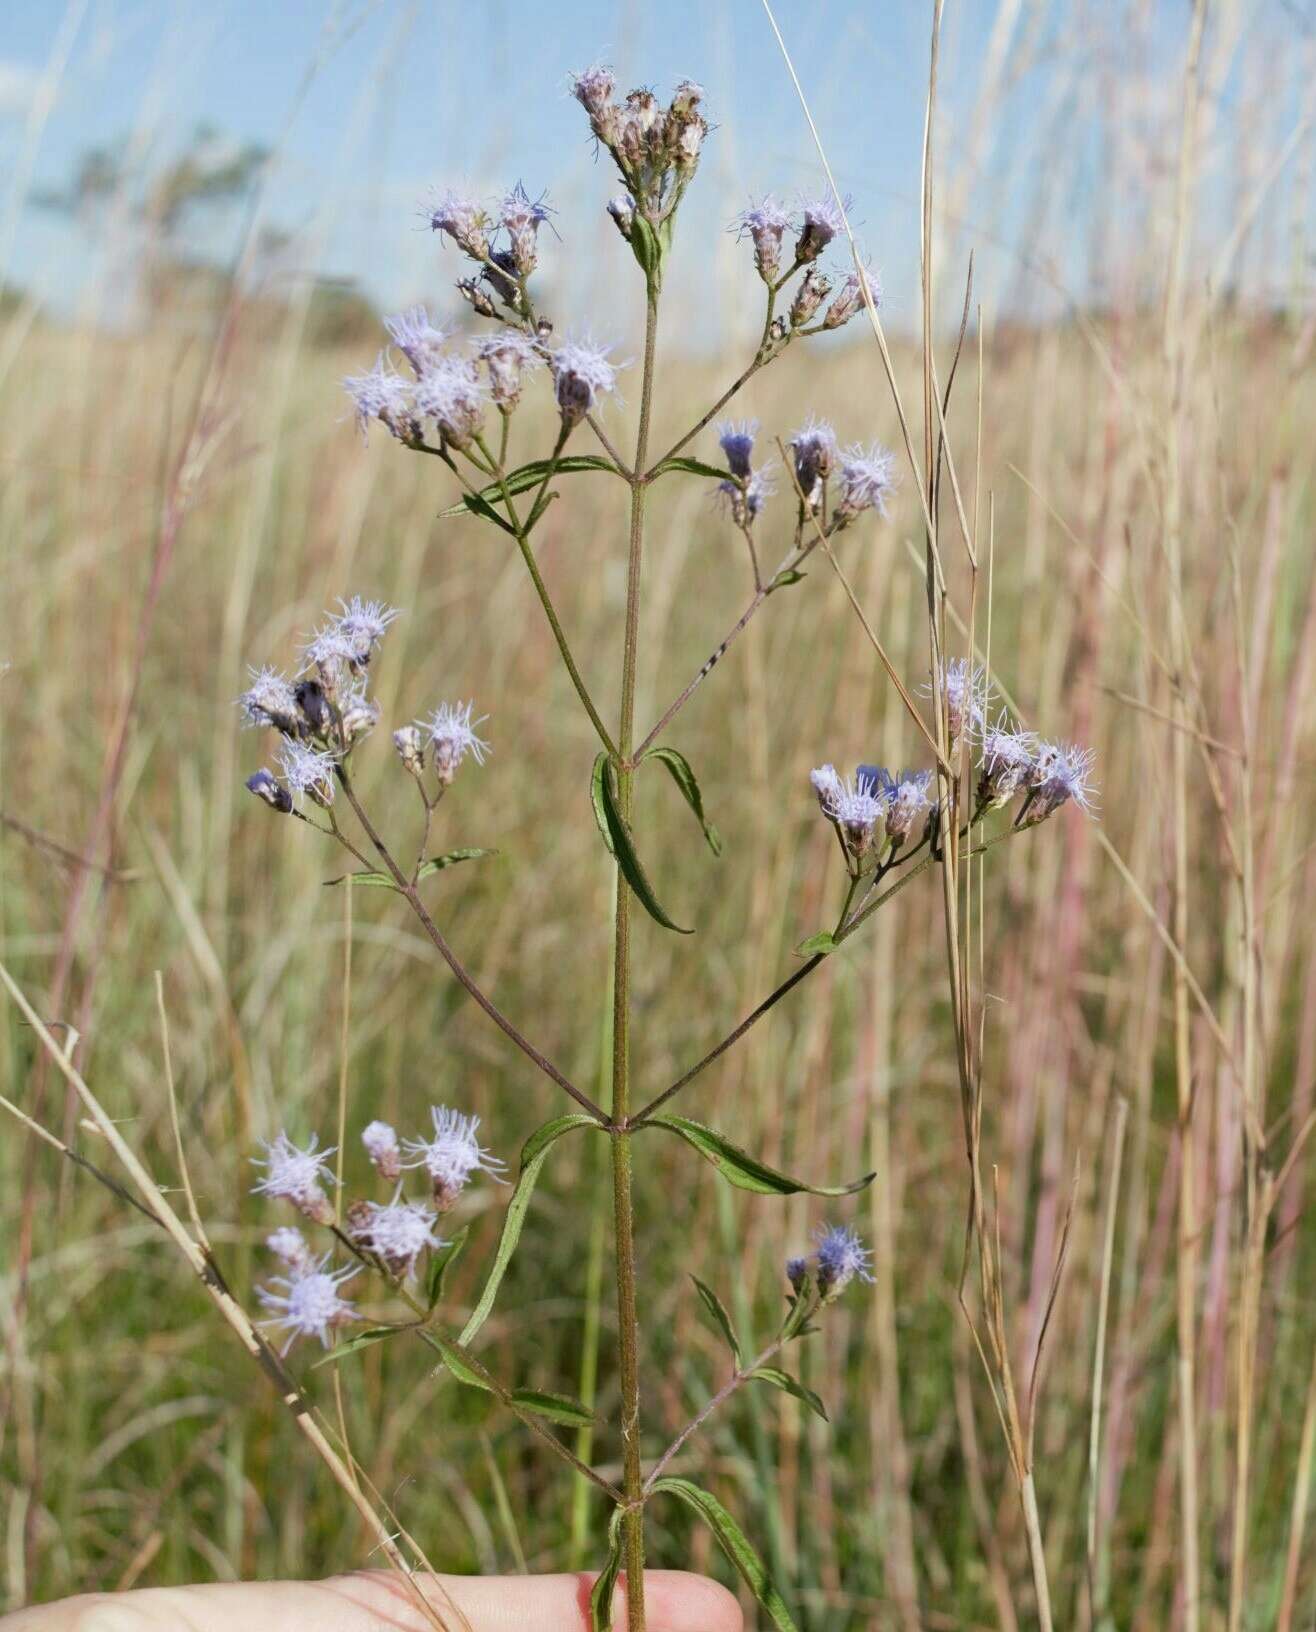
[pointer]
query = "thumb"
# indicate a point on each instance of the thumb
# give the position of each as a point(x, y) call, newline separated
point(382, 1601)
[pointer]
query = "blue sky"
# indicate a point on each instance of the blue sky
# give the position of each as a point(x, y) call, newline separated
point(370, 102)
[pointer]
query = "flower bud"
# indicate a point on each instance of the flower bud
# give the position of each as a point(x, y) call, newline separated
point(382, 1147)
point(410, 744)
point(809, 297)
point(265, 786)
point(622, 211)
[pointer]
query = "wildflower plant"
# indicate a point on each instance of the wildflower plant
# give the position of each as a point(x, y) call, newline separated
point(458, 403)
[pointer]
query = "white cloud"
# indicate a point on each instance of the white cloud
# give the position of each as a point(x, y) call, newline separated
point(18, 87)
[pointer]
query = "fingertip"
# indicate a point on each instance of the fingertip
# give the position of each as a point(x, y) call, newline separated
point(677, 1601)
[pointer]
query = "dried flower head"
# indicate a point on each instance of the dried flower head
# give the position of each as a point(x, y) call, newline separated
point(383, 1150)
point(307, 772)
point(419, 340)
point(814, 289)
point(827, 785)
point(840, 1257)
point(269, 700)
point(309, 1304)
point(464, 220)
point(815, 451)
point(384, 395)
point(411, 745)
point(265, 785)
point(581, 375)
point(766, 224)
point(453, 395)
point(821, 219)
point(397, 1233)
point(297, 1175)
point(868, 476)
point(522, 218)
point(452, 736)
point(508, 355)
point(452, 1155)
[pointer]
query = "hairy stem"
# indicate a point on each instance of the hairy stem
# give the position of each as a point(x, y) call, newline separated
point(623, 1208)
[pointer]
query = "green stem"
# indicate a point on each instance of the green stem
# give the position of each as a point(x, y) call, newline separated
point(623, 1207)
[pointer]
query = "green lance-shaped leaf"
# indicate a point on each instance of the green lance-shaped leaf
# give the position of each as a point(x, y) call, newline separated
point(555, 1407)
point(818, 945)
point(435, 864)
point(605, 1585)
point(720, 1318)
point(522, 480)
point(623, 846)
point(533, 1155)
point(734, 1543)
point(684, 778)
point(362, 1340)
point(738, 1167)
point(440, 1263)
point(596, 797)
point(787, 577)
point(690, 467)
point(790, 1385)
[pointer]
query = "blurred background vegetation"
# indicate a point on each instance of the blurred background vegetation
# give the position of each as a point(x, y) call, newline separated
point(183, 492)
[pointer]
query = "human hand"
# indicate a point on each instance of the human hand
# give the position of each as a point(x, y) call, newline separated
point(379, 1601)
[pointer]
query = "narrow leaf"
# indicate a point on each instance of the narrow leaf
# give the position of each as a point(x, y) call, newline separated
point(734, 1543)
point(738, 1167)
point(790, 1385)
point(783, 580)
point(556, 1407)
point(684, 778)
point(435, 864)
point(623, 848)
point(362, 1340)
point(596, 795)
point(440, 1263)
point(721, 1319)
point(522, 480)
point(600, 1599)
point(821, 943)
point(533, 1155)
point(691, 467)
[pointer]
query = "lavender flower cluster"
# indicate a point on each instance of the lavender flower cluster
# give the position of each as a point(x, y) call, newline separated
point(323, 711)
point(392, 1236)
point(876, 812)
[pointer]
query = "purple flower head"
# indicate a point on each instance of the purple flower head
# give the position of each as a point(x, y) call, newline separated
point(967, 697)
point(521, 220)
point(290, 1245)
point(797, 1270)
point(384, 395)
point(856, 808)
point(816, 452)
point(1007, 761)
point(269, 700)
point(383, 1150)
point(309, 1304)
point(452, 1155)
point(622, 210)
point(745, 499)
point(362, 625)
point(307, 772)
point(850, 297)
point(265, 785)
point(398, 1233)
point(814, 288)
point(581, 374)
point(840, 1256)
point(821, 219)
point(867, 477)
point(453, 395)
point(508, 354)
point(419, 340)
point(1062, 773)
point(766, 223)
point(465, 222)
point(905, 798)
point(736, 438)
point(593, 90)
point(297, 1175)
point(452, 735)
